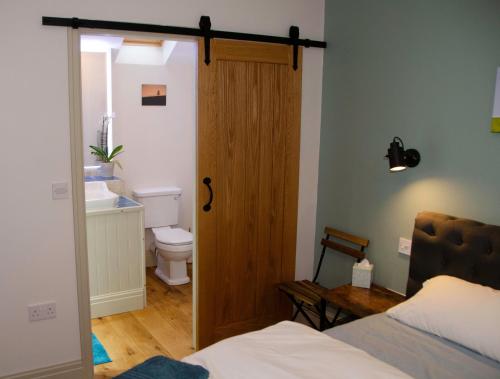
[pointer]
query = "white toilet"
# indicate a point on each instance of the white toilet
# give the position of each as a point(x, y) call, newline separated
point(173, 246)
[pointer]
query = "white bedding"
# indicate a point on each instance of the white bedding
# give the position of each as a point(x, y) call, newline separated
point(460, 311)
point(289, 350)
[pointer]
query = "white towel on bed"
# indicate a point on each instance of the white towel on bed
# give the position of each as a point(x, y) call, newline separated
point(290, 350)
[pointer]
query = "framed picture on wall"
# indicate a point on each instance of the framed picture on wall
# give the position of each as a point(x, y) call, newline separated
point(154, 94)
point(495, 118)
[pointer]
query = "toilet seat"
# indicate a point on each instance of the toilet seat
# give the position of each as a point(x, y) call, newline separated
point(173, 248)
point(172, 236)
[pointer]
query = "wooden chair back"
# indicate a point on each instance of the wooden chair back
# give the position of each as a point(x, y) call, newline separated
point(337, 244)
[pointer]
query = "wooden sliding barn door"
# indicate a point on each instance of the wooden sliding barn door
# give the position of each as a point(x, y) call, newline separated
point(248, 147)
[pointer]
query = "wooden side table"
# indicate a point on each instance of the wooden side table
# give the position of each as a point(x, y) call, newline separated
point(360, 302)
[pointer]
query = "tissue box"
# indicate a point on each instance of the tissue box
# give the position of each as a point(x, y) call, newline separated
point(362, 275)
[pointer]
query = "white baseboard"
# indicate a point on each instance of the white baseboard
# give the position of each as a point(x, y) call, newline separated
point(118, 302)
point(68, 370)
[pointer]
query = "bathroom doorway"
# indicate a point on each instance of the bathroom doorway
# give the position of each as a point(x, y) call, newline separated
point(138, 100)
point(250, 89)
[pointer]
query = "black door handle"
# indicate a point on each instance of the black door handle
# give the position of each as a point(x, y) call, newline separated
point(208, 205)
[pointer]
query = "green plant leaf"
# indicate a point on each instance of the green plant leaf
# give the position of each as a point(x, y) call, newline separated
point(116, 151)
point(99, 152)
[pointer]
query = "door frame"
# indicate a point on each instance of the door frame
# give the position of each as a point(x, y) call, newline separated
point(78, 200)
point(78, 191)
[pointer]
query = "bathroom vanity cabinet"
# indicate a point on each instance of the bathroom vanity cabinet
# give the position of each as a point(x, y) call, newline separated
point(115, 243)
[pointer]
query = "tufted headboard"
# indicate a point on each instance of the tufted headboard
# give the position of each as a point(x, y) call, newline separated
point(447, 245)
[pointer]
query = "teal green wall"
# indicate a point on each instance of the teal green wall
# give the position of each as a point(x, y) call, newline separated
point(423, 70)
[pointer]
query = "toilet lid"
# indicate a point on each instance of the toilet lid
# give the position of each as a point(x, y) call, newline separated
point(173, 236)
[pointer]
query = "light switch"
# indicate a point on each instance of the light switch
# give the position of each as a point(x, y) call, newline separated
point(404, 246)
point(60, 191)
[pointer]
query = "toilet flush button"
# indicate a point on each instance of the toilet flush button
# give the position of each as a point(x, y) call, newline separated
point(60, 190)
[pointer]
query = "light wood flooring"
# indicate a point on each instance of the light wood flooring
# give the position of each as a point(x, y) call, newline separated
point(164, 327)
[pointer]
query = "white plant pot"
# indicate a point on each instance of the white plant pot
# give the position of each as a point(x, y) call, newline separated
point(107, 169)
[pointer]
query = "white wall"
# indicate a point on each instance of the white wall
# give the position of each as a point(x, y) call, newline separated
point(36, 232)
point(93, 100)
point(159, 142)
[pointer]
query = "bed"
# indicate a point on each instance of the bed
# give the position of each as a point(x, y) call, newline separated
point(381, 346)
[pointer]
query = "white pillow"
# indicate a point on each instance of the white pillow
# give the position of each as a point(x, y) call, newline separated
point(460, 311)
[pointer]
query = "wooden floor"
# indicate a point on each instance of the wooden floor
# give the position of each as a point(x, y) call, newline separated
point(164, 327)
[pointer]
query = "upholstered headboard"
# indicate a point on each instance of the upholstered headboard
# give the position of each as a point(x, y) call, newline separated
point(447, 245)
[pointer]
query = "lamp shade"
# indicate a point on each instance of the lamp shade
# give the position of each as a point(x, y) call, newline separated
point(396, 155)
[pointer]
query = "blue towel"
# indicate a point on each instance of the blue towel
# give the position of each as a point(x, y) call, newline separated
point(99, 352)
point(160, 367)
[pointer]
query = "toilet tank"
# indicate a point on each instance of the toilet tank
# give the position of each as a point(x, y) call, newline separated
point(161, 205)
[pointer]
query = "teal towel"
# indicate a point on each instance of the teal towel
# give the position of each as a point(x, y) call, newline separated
point(99, 352)
point(160, 367)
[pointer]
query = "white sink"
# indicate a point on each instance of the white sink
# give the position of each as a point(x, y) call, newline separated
point(98, 196)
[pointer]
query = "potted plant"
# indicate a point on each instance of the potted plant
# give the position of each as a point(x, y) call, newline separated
point(108, 161)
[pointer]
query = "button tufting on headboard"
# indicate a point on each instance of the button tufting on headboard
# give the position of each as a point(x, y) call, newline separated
point(455, 237)
point(429, 229)
point(490, 251)
point(454, 246)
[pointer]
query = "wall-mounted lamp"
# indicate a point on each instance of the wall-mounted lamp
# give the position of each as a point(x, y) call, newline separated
point(399, 158)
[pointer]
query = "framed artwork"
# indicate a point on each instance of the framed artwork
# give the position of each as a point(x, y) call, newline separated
point(154, 94)
point(495, 118)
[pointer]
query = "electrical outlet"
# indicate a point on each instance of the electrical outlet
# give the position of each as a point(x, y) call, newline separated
point(45, 311)
point(404, 246)
point(50, 310)
point(34, 312)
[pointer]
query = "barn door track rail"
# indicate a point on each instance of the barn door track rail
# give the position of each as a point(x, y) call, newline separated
point(204, 30)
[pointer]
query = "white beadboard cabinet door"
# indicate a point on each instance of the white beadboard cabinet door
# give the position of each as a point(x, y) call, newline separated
point(115, 240)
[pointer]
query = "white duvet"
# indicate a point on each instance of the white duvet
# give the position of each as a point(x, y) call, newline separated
point(289, 350)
